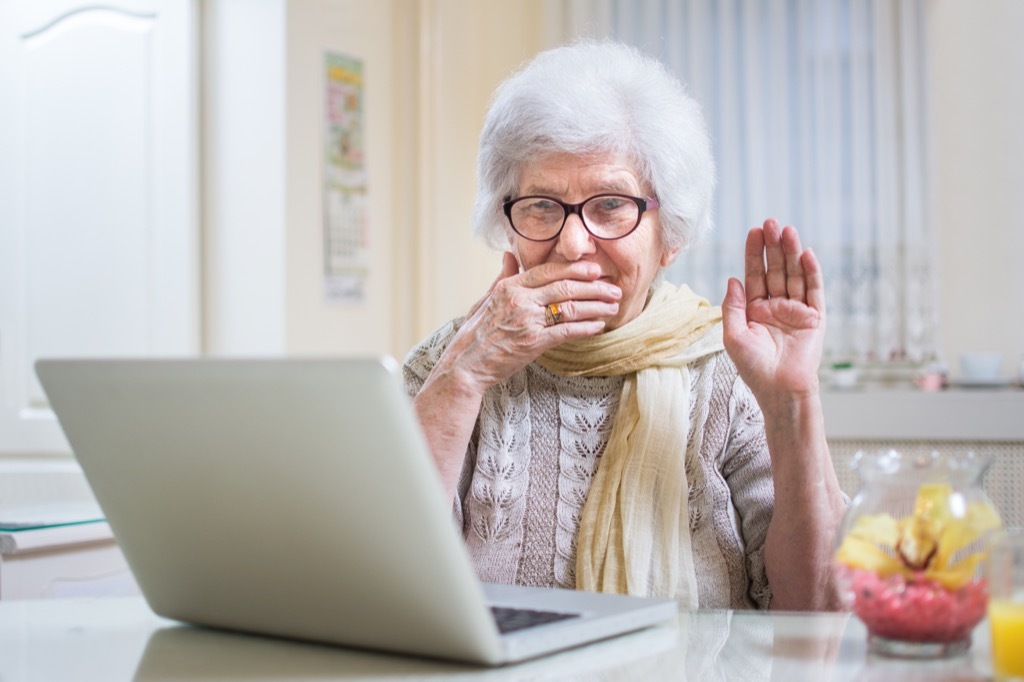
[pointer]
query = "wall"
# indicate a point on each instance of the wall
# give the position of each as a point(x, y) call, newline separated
point(263, 69)
point(977, 110)
point(243, 171)
point(351, 28)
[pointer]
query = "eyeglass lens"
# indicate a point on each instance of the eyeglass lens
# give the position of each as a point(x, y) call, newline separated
point(605, 216)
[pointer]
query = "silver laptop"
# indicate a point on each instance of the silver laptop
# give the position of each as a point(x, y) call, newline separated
point(297, 498)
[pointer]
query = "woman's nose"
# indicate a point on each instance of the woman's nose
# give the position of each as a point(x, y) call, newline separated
point(574, 241)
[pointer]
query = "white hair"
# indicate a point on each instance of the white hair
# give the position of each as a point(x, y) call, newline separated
point(598, 98)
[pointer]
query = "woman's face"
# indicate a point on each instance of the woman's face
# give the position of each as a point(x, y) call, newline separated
point(632, 262)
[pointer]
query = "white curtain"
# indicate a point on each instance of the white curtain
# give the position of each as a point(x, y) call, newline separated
point(817, 110)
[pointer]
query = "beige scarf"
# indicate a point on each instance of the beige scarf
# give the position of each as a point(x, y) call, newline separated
point(634, 535)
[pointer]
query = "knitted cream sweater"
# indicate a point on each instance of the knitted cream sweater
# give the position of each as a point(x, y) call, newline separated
point(535, 448)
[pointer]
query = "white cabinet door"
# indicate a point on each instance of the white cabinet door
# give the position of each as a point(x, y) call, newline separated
point(98, 192)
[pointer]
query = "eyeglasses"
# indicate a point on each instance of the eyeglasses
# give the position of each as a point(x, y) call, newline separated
point(605, 216)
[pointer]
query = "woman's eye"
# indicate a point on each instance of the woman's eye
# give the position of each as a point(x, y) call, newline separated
point(609, 204)
point(541, 209)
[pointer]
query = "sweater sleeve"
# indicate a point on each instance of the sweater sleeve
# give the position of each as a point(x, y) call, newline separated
point(417, 367)
point(747, 470)
point(421, 359)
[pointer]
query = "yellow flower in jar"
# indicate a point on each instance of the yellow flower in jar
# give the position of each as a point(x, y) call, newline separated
point(932, 543)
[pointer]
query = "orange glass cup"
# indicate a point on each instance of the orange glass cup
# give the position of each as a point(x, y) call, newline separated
point(1006, 604)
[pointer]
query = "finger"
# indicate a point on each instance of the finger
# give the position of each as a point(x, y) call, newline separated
point(775, 259)
point(815, 281)
point(567, 331)
point(569, 292)
point(754, 265)
point(547, 273)
point(577, 310)
point(734, 308)
point(509, 268)
point(796, 287)
point(509, 265)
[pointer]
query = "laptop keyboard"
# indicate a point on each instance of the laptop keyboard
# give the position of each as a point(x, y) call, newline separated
point(510, 620)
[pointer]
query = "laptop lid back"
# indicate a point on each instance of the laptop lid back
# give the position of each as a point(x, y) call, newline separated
point(290, 497)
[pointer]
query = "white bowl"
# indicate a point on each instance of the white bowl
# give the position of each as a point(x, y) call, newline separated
point(981, 366)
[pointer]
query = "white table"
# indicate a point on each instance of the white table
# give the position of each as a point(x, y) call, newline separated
point(121, 639)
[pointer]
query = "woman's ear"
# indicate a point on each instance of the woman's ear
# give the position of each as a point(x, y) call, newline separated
point(669, 255)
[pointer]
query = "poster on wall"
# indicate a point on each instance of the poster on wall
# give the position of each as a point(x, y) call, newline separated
point(346, 222)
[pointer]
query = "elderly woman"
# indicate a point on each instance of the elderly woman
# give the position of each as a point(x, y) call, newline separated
point(595, 427)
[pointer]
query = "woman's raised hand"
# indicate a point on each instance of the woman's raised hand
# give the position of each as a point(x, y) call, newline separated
point(774, 324)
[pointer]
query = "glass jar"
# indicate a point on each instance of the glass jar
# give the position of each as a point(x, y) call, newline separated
point(910, 551)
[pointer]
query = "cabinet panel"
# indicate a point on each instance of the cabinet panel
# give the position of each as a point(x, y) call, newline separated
point(98, 207)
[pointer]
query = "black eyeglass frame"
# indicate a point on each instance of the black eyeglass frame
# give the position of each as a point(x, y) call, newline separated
point(644, 204)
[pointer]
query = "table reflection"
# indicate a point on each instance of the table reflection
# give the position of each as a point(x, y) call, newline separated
point(187, 653)
point(710, 645)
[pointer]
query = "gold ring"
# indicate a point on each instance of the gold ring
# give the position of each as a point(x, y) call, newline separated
point(553, 314)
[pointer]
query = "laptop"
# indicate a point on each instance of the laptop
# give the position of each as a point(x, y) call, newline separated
point(296, 498)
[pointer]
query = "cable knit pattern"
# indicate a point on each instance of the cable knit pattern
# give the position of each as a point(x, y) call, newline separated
point(585, 410)
point(496, 505)
point(536, 446)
